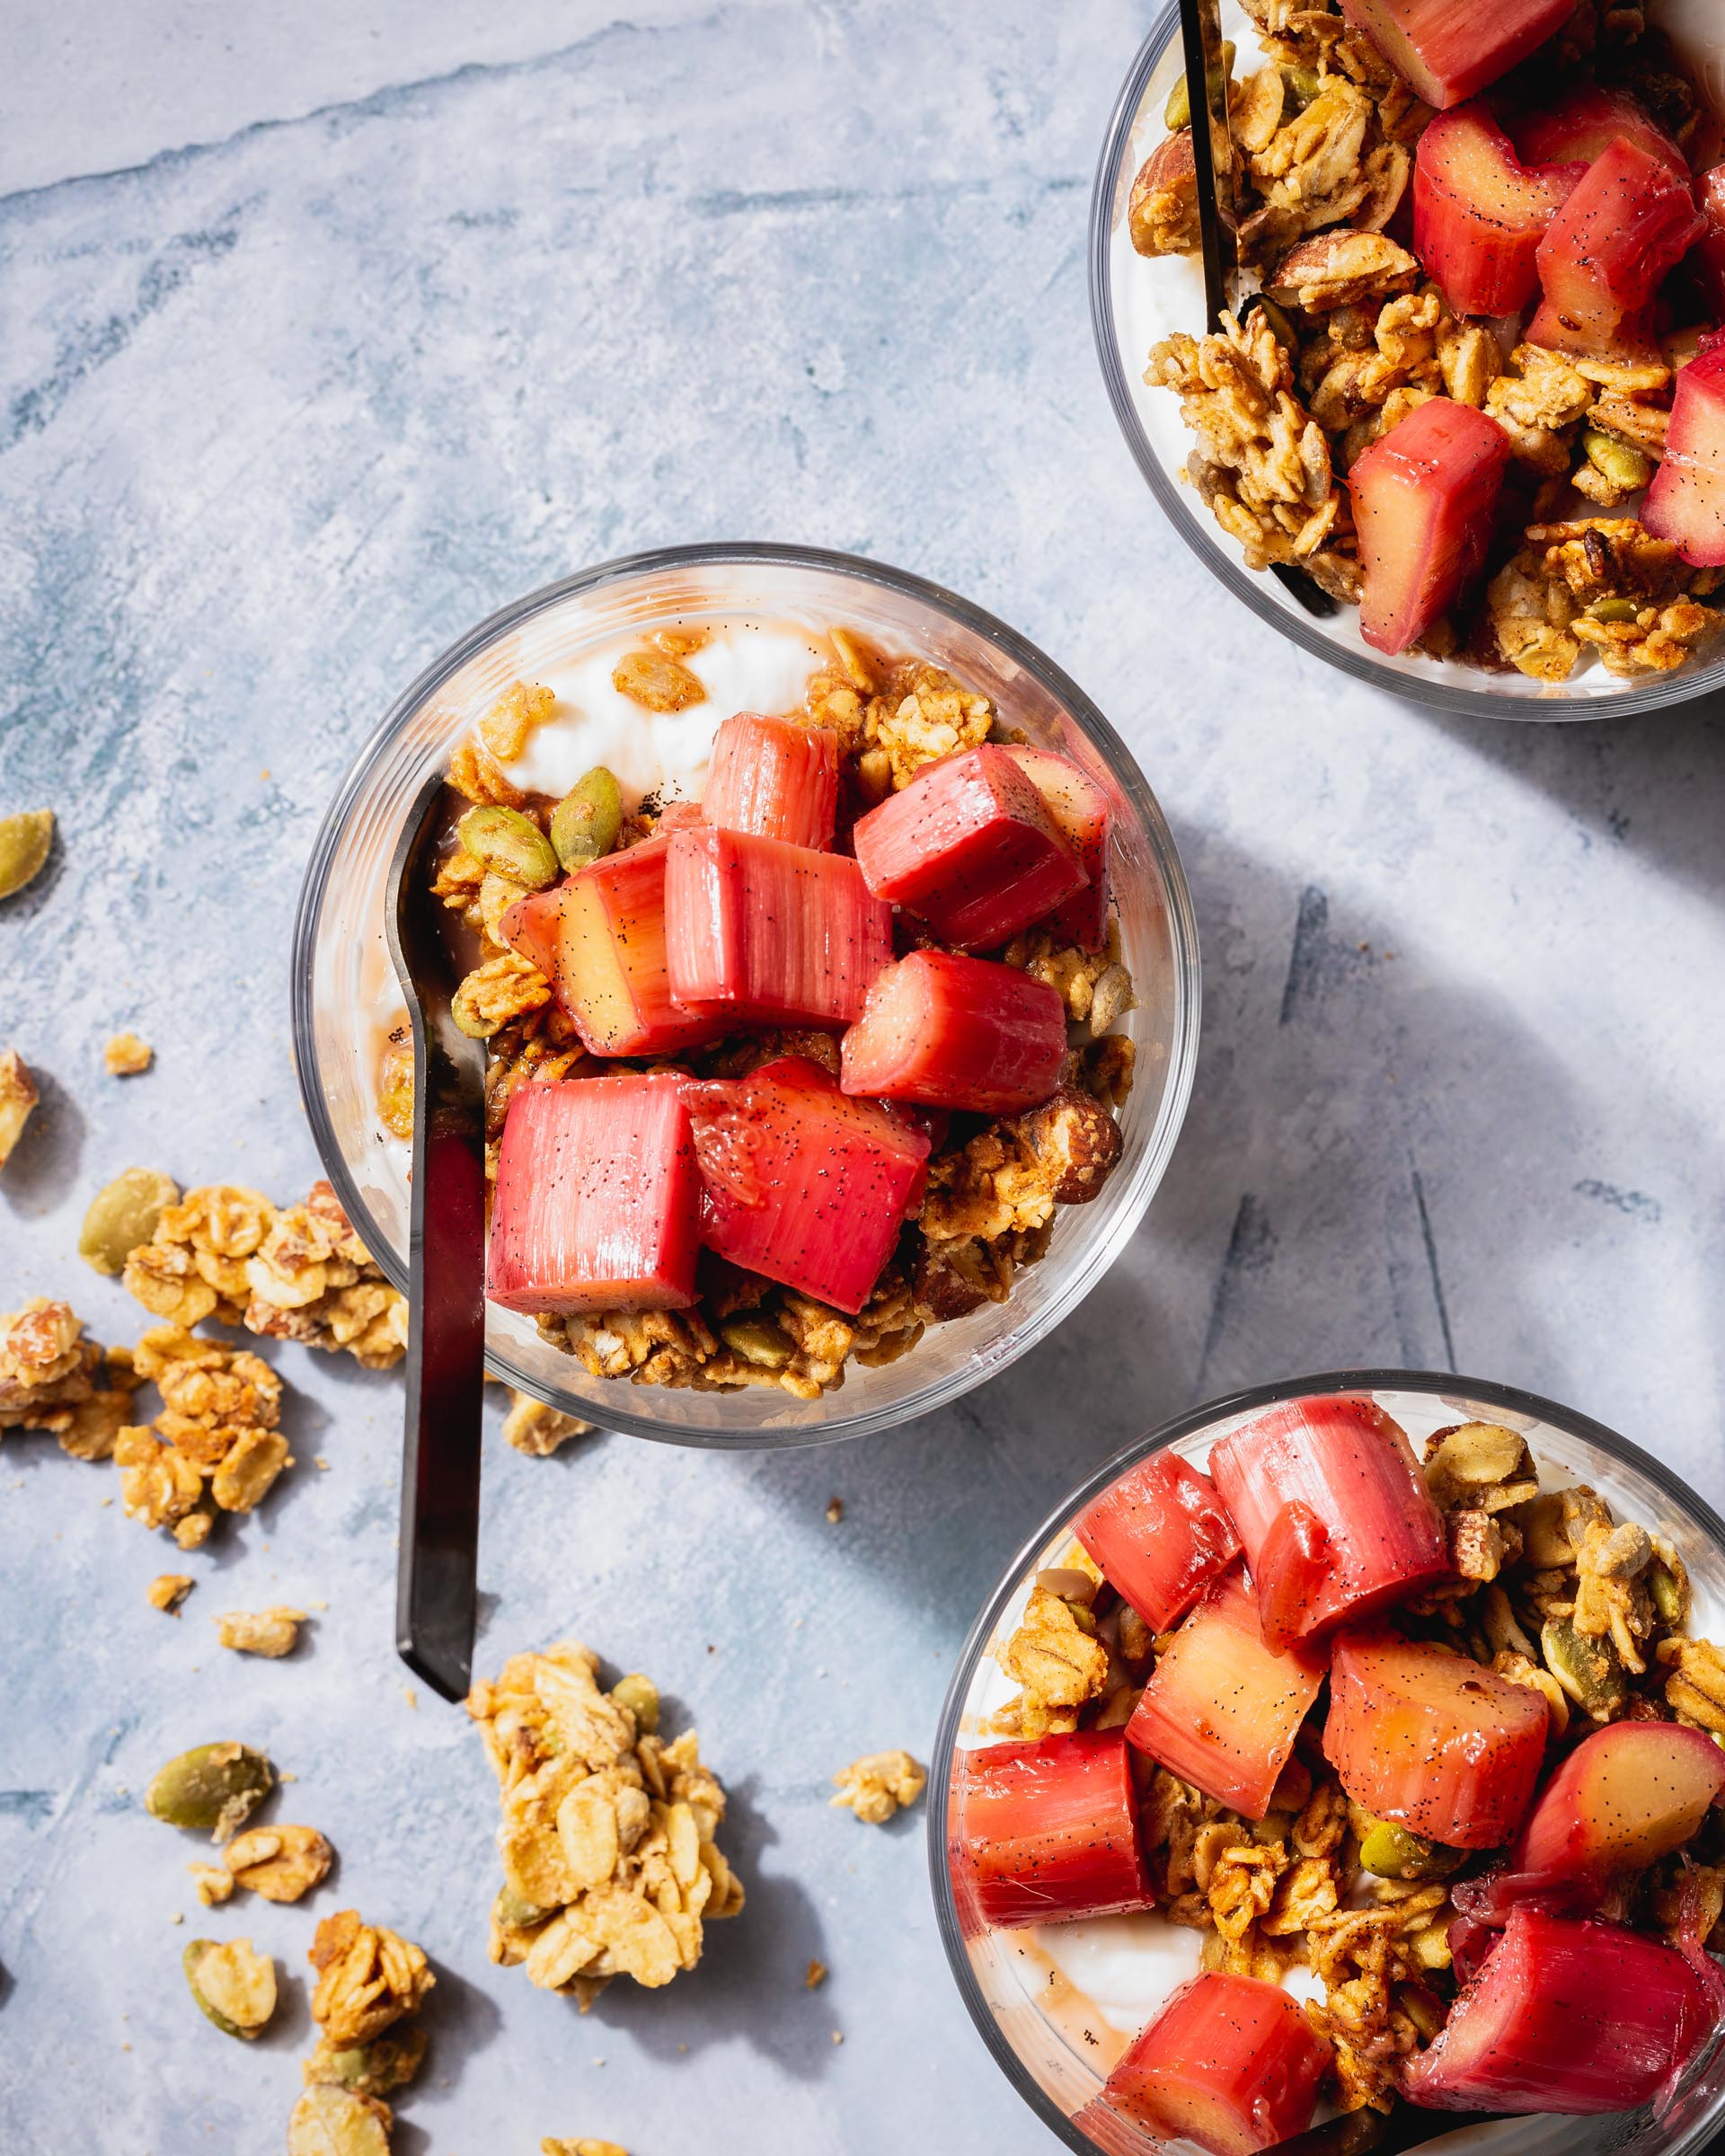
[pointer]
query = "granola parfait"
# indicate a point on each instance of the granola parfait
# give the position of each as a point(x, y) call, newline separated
point(1344, 1751)
point(836, 990)
point(1465, 407)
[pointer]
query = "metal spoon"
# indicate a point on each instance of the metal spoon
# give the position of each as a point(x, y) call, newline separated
point(437, 1570)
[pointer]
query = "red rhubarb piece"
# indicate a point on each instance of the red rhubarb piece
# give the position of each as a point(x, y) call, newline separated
point(1220, 1710)
point(1708, 259)
point(971, 847)
point(596, 1197)
point(1424, 497)
point(759, 933)
point(1447, 49)
point(1479, 212)
point(957, 1032)
point(1584, 123)
point(1686, 503)
point(1161, 1535)
point(776, 778)
point(1567, 2016)
point(599, 939)
point(1609, 248)
point(801, 1184)
point(1230, 2062)
point(1433, 1740)
point(1292, 1574)
point(1352, 1467)
point(1048, 1830)
point(1080, 807)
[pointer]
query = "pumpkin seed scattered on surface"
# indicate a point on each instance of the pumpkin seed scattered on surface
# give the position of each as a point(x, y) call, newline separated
point(234, 1987)
point(123, 1215)
point(213, 1789)
point(26, 840)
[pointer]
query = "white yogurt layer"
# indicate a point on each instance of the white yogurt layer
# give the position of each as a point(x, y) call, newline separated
point(749, 666)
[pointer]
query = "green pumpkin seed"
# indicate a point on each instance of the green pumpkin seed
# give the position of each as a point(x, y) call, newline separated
point(24, 843)
point(1624, 465)
point(386, 2063)
point(517, 1913)
point(1280, 327)
point(1614, 610)
point(235, 1988)
point(1177, 113)
point(511, 843)
point(213, 1789)
point(1302, 84)
point(1587, 1668)
point(757, 1341)
point(1668, 1598)
point(1393, 1853)
point(640, 1695)
point(585, 823)
point(124, 1214)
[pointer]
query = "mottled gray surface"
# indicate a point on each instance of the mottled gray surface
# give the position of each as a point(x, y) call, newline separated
point(284, 413)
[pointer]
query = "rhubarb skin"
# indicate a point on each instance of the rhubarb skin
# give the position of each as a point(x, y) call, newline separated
point(1352, 1466)
point(1425, 495)
point(1628, 1795)
point(1080, 807)
point(599, 939)
point(1565, 2015)
point(1446, 50)
point(1230, 2062)
point(1161, 1535)
point(774, 778)
point(1434, 1740)
point(1686, 503)
point(1220, 1710)
point(597, 1198)
point(761, 932)
point(1607, 250)
point(1478, 213)
point(1048, 1831)
point(1583, 124)
point(800, 1183)
point(1708, 259)
point(971, 847)
point(950, 1031)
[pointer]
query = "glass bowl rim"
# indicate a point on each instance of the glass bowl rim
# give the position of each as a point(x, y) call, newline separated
point(1088, 1262)
point(1658, 694)
point(1513, 1398)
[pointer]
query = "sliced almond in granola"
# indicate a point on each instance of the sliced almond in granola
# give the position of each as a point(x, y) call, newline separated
point(1340, 269)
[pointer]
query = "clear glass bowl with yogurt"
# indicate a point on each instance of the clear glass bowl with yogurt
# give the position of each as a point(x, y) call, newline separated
point(1134, 302)
point(1058, 2004)
point(768, 611)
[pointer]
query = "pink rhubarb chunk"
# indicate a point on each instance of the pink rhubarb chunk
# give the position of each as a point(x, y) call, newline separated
point(1047, 1830)
point(1161, 1535)
point(775, 778)
point(971, 847)
point(1424, 495)
point(596, 1199)
point(1584, 123)
point(950, 1031)
point(1686, 503)
point(1478, 213)
point(1080, 807)
point(1708, 259)
point(1447, 49)
point(1607, 250)
point(760, 932)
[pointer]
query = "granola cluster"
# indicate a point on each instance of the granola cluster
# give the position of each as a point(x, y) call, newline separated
point(994, 1188)
point(610, 1865)
point(874, 1788)
point(55, 1379)
point(215, 1446)
point(371, 1984)
point(292, 1272)
point(1345, 337)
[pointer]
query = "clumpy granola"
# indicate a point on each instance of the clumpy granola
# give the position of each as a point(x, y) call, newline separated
point(610, 1864)
point(214, 1447)
point(371, 1984)
point(53, 1379)
point(1345, 336)
point(876, 1788)
point(994, 1185)
point(537, 1430)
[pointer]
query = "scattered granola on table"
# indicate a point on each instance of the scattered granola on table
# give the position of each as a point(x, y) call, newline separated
point(127, 1057)
point(18, 1098)
point(53, 1379)
point(214, 1447)
point(877, 1786)
point(234, 1987)
point(168, 1590)
point(537, 1430)
point(610, 1864)
point(281, 1863)
point(271, 1632)
point(582, 2148)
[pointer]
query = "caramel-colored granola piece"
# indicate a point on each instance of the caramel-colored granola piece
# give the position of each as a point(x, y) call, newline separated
point(272, 1632)
point(127, 1057)
point(168, 1590)
point(368, 1978)
point(281, 1863)
point(878, 1786)
point(533, 1427)
point(18, 1098)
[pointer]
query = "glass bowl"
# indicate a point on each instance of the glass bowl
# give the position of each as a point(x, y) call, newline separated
point(346, 998)
point(1047, 2034)
point(1134, 302)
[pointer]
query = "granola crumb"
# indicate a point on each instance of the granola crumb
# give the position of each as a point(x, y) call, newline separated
point(876, 1786)
point(127, 1057)
point(175, 1917)
point(816, 1976)
point(838, 2036)
point(411, 1697)
point(281, 1863)
point(271, 1632)
point(18, 1098)
point(582, 2148)
point(213, 1882)
point(168, 1590)
point(537, 1430)
point(834, 1510)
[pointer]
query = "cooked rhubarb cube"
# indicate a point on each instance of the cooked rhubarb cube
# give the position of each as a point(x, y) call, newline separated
point(1047, 1830)
point(801, 1184)
point(1352, 1468)
point(1607, 250)
point(1433, 1740)
point(1584, 122)
point(599, 939)
point(775, 778)
point(1424, 497)
point(597, 1198)
point(1567, 2016)
point(1161, 1535)
point(1080, 807)
point(1686, 503)
point(1708, 261)
point(1628, 1795)
point(971, 847)
point(1478, 213)
point(1447, 49)
point(1230, 2062)
point(1220, 1710)
point(957, 1032)
point(760, 932)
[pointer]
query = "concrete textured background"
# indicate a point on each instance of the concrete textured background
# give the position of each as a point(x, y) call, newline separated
point(327, 334)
